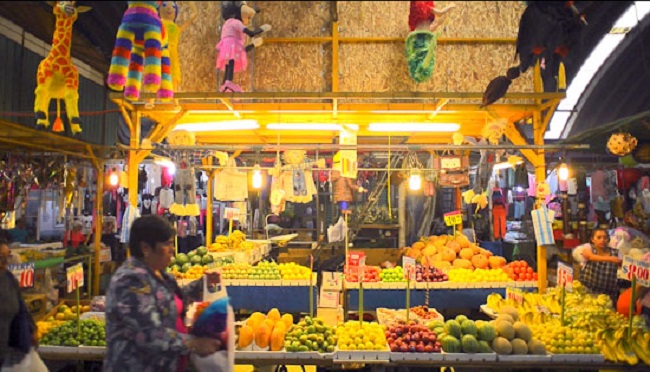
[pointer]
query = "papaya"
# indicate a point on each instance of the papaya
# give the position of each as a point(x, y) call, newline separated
point(263, 335)
point(274, 315)
point(246, 336)
point(255, 320)
point(277, 337)
point(288, 320)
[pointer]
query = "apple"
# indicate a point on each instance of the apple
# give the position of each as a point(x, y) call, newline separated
point(394, 348)
point(436, 349)
point(428, 349)
point(411, 349)
point(404, 348)
point(393, 335)
point(390, 340)
point(416, 337)
point(425, 338)
point(419, 348)
point(406, 337)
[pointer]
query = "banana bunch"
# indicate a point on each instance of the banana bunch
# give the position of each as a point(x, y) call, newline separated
point(494, 301)
point(236, 238)
point(617, 347)
point(535, 318)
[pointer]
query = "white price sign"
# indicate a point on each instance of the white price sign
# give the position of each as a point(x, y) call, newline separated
point(231, 214)
point(408, 264)
point(75, 277)
point(564, 275)
point(24, 273)
point(639, 269)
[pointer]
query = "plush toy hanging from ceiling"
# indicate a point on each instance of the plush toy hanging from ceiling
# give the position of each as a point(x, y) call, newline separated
point(621, 144)
point(139, 48)
point(296, 177)
point(231, 48)
point(184, 180)
point(168, 12)
point(421, 43)
point(547, 32)
point(57, 76)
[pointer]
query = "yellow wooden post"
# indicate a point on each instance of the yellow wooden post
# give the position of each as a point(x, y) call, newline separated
point(208, 213)
point(134, 161)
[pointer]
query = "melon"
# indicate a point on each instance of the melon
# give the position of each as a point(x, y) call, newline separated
point(467, 327)
point(501, 346)
point(504, 329)
point(460, 318)
point(484, 347)
point(485, 331)
point(453, 328)
point(469, 344)
point(506, 309)
point(450, 344)
point(505, 317)
point(519, 346)
point(536, 347)
point(522, 331)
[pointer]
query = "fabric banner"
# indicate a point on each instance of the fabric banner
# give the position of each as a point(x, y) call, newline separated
point(543, 226)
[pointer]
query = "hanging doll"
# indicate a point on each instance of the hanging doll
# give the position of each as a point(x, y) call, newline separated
point(138, 49)
point(344, 187)
point(231, 56)
point(295, 177)
point(421, 43)
point(168, 11)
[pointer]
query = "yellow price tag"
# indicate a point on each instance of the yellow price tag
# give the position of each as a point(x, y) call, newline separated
point(453, 218)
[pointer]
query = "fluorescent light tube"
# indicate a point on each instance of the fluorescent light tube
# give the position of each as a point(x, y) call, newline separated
point(413, 127)
point(311, 126)
point(219, 125)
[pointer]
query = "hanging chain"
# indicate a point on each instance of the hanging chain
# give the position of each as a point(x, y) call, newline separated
point(426, 295)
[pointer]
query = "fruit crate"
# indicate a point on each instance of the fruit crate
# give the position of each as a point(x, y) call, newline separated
point(465, 357)
point(578, 358)
point(309, 355)
point(528, 358)
point(264, 355)
point(420, 357)
point(92, 351)
point(362, 356)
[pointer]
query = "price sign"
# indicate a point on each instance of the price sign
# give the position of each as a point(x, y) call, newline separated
point(75, 277)
point(356, 264)
point(231, 214)
point(564, 276)
point(514, 294)
point(408, 264)
point(453, 218)
point(24, 273)
point(639, 269)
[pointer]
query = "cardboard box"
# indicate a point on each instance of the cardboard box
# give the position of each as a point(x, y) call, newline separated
point(36, 303)
point(330, 290)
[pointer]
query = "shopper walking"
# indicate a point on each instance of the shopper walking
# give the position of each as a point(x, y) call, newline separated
point(17, 328)
point(145, 307)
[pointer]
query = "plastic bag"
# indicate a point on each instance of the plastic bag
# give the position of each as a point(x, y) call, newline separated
point(337, 232)
point(217, 320)
point(32, 362)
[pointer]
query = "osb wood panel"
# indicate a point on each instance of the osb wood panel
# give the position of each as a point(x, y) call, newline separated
point(363, 67)
point(477, 19)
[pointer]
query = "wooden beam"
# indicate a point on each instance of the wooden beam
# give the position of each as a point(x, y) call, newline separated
point(512, 133)
point(42, 147)
point(127, 118)
point(439, 105)
point(385, 40)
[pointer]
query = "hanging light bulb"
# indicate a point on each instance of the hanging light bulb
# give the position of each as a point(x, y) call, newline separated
point(563, 172)
point(113, 178)
point(257, 177)
point(415, 181)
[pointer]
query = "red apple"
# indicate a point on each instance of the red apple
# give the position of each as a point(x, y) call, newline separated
point(390, 340)
point(404, 349)
point(394, 348)
point(436, 349)
point(416, 337)
point(419, 348)
point(428, 349)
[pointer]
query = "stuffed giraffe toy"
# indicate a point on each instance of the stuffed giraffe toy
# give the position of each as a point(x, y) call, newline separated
point(56, 76)
point(138, 48)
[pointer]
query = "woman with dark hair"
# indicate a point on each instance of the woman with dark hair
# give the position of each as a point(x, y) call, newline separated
point(599, 272)
point(145, 308)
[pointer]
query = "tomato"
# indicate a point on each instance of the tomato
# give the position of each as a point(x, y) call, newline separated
point(517, 270)
point(513, 276)
point(534, 276)
point(529, 270)
point(522, 276)
point(529, 276)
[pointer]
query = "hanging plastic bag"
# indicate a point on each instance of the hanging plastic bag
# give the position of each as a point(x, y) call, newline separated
point(336, 232)
point(32, 362)
point(217, 320)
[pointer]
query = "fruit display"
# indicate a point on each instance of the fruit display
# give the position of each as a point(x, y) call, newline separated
point(264, 270)
point(182, 263)
point(264, 332)
point(429, 274)
point(310, 335)
point(92, 334)
point(354, 335)
point(412, 338)
point(515, 337)
point(426, 313)
point(235, 242)
point(463, 335)
point(394, 274)
point(520, 271)
point(477, 275)
point(293, 271)
point(417, 315)
point(447, 251)
point(235, 271)
point(65, 312)
point(371, 274)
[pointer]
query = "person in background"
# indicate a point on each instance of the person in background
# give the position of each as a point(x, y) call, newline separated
point(73, 238)
point(10, 300)
point(598, 275)
point(145, 308)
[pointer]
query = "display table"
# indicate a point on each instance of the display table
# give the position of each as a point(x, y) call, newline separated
point(464, 295)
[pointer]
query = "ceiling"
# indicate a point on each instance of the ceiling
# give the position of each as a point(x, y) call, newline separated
point(620, 92)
